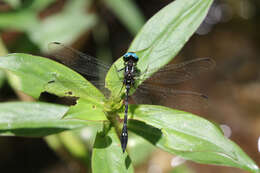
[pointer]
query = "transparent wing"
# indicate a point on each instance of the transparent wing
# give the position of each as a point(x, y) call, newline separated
point(149, 92)
point(177, 73)
point(78, 61)
point(159, 88)
point(78, 85)
point(165, 91)
point(185, 100)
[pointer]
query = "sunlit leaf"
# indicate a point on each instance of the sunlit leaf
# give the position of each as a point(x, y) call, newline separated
point(108, 153)
point(182, 169)
point(64, 27)
point(13, 3)
point(18, 20)
point(75, 146)
point(85, 110)
point(3, 51)
point(40, 4)
point(163, 36)
point(139, 149)
point(128, 13)
point(188, 136)
point(34, 75)
point(36, 119)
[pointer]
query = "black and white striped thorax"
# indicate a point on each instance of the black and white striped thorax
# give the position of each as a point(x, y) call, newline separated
point(129, 74)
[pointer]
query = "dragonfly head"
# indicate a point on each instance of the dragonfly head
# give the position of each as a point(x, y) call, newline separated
point(130, 56)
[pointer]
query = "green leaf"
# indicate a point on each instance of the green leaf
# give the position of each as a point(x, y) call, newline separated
point(63, 27)
point(13, 3)
point(108, 153)
point(3, 51)
point(35, 119)
point(182, 169)
point(2, 78)
point(78, 142)
point(86, 110)
point(128, 13)
point(75, 145)
point(39, 5)
point(188, 136)
point(18, 20)
point(57, 27)
point(34, 75)
point(163, 36)
point(139, 149)
point(54, 142)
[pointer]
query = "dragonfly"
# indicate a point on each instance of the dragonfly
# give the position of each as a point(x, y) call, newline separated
point(159, 83)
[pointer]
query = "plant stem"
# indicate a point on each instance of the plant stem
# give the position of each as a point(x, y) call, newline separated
point(113, 118)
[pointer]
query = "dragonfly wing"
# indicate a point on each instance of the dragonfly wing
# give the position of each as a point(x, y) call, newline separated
point(177, 73)
point(78, 61)
point(74, 88)
point(79, 84)
point(185, 100)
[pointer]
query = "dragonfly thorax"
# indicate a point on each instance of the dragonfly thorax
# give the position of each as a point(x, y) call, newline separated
point(129, 74)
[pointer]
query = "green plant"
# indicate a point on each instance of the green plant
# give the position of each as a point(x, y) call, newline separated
point(174, 131)
point(57, 27)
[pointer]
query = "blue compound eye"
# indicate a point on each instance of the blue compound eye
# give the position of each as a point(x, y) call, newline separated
point(132, 56)
point(126, 57)
point(135, 58)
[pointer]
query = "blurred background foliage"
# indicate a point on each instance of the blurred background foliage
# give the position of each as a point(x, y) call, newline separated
point(105, 28)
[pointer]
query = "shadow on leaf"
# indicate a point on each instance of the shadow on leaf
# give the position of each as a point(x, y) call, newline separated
point(144, 130)
point(30, 132)
point(128, 162)
point(102, 141)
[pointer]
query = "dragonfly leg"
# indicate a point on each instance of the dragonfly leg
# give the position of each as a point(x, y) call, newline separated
point(121, 69)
